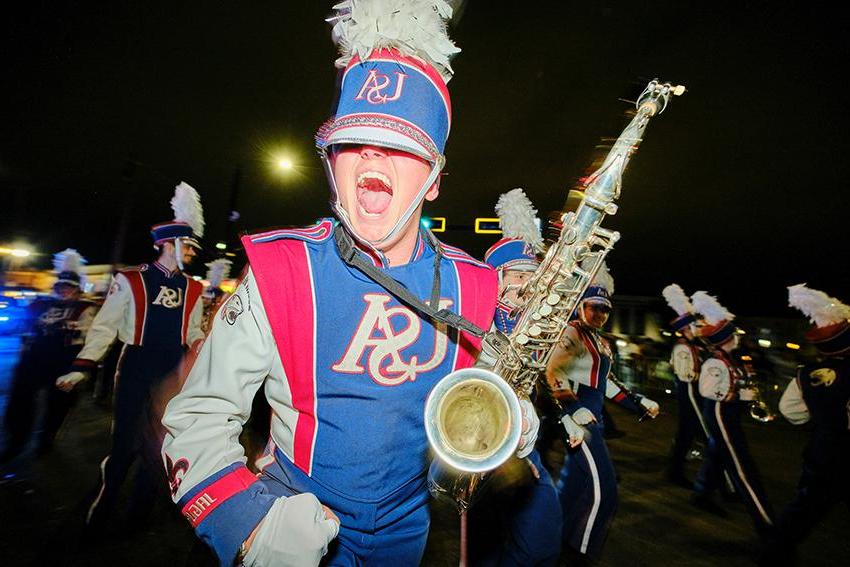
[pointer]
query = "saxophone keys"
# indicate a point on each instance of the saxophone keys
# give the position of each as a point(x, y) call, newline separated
point(534, 331)
point(553, 299)
point(521, 339)
point(544, 311)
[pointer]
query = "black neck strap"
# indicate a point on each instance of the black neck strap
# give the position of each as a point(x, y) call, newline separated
point(349, 255)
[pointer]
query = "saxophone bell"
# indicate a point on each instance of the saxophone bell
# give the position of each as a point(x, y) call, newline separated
point(473, 422)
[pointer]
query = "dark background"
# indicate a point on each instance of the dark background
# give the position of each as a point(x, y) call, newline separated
point(738, 188)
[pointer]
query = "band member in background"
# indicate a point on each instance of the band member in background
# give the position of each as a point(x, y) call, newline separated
point(726, 394)
point(218, 271)
point(519, 520)
point(686, 359)
point(58, 330)
point(582, 364)
point(820, 395)
point(155, 310)
point(340, 317)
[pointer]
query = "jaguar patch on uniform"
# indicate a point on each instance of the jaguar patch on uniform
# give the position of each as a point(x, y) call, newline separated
point(232, 309)
point(822, 377)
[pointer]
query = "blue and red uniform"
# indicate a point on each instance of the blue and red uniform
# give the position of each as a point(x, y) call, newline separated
point(346, 369)
point(588, 484)
point(155, 312)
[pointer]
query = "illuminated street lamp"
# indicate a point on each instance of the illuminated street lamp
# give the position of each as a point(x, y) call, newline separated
point(285, 164)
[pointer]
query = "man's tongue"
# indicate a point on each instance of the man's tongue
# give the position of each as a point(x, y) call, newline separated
point(374, 196)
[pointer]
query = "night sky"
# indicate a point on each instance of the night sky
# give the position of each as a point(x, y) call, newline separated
point(737, 189)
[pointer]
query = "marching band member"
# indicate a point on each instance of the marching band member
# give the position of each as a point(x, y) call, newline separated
point(724, 389)
point(59, 327)
point(342, 317)
point(582, 364)
point(686, 359)
point(820, 394)
point(218, 271)
point(520, 525)
point(154, 309)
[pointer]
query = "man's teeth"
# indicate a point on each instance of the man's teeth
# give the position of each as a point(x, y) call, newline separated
point(373, 175)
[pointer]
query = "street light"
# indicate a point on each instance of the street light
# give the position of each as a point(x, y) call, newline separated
point(16, 252)
point(285, 164)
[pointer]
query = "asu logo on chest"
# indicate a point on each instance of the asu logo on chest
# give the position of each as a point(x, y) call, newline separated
point(376, 338)
point(168, 297)
point(377, 85)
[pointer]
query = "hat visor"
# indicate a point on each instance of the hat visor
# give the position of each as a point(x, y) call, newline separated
point(599, 301)
point(392, 134)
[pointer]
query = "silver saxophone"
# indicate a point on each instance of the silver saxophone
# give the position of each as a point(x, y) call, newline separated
point(472, 416)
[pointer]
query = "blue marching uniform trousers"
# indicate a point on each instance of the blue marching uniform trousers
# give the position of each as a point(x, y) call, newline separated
point(822, 485)
point(519, 526)
point(37, 372)
point(727, 450)
point(690, 426)
point(588, 492)
point(140, 371)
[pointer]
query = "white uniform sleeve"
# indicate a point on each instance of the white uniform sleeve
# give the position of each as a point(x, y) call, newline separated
point(196, 317)
point(682, 361)
point(205, 463)
point(83, 324)
point(792, 405)
point(108, 321)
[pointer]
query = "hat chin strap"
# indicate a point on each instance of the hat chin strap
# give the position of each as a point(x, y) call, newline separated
point(344, 218)
point(178, 252)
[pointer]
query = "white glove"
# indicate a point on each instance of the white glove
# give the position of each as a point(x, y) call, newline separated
point(652, 408)
point(575, 432)
point(294, 533)
point(529, 434)
point(66, 382)
point(583, 416)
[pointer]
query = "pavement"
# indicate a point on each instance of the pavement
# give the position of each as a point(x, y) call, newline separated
point(41, 502)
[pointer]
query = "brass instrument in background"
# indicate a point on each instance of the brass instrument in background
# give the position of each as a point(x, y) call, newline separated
point(472, 416)
point(759, 410)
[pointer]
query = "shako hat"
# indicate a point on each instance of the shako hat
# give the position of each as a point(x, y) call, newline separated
point(830, 318)
point(719, 327)
point(681, 304)
point(68, 266)
point(188, 223)
point(521, 241)
point(394, 56)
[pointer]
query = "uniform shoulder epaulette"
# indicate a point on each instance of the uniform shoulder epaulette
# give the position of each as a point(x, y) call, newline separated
point(316, 233)
point(139, 268)
point(458, 255)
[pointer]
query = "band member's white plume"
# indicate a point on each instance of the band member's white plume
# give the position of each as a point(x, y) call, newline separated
point(603, 278)
point(708, 306)
point(821, 309)
point(413, 27)
point(677, 300)
point(517, 218)
point(219, 270)
point(69, 260)
point(186, 204)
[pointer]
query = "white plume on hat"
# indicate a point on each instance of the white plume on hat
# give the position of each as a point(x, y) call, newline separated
point(677, 300)
point(708, 306)
point(821, 309)
point(413, 27)
point(517, 217)
point(69, 260)
point(218, 271)
point(603, 278)
point(186, 204)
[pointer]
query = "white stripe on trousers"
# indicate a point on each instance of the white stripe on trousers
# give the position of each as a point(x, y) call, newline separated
point(102, 488)
point(597, 497)
point(738, 467)
point(697, 409)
